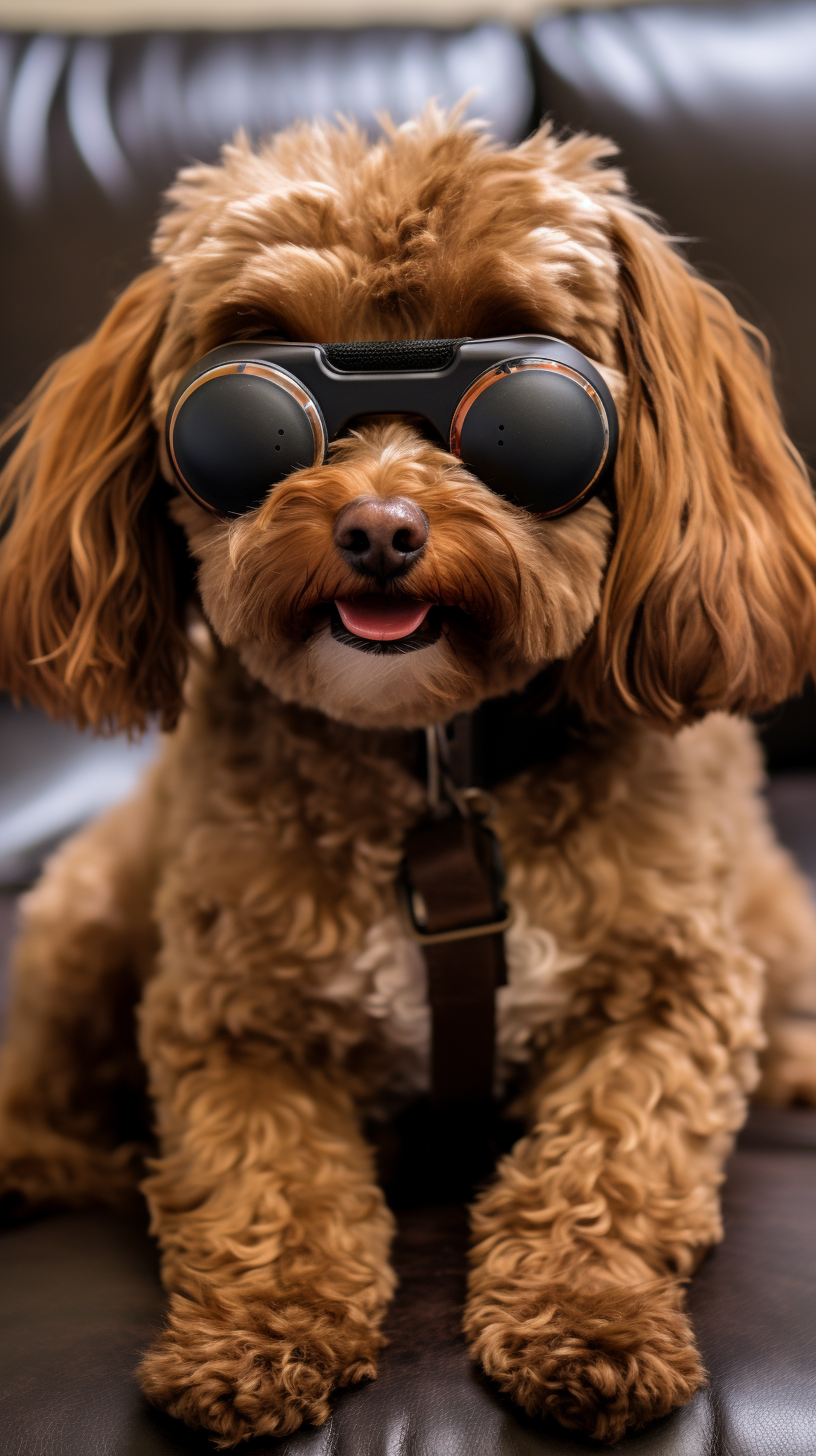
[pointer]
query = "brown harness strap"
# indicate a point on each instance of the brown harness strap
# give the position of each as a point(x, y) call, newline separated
point(453, 878)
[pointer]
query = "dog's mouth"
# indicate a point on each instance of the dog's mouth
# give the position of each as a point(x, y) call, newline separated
point(385, 625)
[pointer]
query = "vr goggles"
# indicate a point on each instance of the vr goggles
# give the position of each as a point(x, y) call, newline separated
point(529, 415)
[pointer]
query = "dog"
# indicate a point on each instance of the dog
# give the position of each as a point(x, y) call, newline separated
point(235, 928)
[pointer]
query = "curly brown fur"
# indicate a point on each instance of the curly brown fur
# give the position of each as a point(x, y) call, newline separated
point(599, 1360)
point(249, 1368)
point(244, 903)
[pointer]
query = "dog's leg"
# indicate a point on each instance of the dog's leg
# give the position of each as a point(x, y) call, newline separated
point(71, 1085)
point(575, 1302)
point(274, 1234)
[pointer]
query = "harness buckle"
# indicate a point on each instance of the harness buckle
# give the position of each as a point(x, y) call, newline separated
point(415, 912)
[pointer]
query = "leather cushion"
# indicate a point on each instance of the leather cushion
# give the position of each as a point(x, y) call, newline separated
point(714, 109)
point(79, 1298)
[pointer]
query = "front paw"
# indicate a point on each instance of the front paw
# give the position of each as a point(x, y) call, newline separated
point(598, 1362)
point(256, 1369)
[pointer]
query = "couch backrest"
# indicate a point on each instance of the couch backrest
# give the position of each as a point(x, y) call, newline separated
point(714, 109)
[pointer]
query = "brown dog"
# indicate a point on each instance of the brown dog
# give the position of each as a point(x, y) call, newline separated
point(244, 902)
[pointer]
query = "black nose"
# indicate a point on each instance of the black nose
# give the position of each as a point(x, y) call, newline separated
point(380, 537)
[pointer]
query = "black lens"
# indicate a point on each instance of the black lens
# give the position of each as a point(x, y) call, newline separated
point(235, 436)
point(536, 437)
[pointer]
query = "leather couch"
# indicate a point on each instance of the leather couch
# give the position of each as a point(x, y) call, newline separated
point(79, 1298)
point(715, 111)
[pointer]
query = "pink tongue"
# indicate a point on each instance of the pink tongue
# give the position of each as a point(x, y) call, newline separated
point(380, 618)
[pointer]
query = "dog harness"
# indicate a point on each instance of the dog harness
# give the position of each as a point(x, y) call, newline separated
point(452, 878)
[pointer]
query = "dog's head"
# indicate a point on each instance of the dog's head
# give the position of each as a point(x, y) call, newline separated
point(698, 591)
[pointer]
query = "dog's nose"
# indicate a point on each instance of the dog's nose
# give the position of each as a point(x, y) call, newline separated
point(380, 537)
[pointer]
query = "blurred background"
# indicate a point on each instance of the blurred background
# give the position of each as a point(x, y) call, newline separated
point(712, 105)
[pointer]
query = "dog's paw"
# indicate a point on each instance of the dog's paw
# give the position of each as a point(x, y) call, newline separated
point(258, 1370)
point(598, 1362)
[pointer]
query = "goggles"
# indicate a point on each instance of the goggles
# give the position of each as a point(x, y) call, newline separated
point(530, 416)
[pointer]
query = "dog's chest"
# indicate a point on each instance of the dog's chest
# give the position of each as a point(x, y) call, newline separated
point(388, 976)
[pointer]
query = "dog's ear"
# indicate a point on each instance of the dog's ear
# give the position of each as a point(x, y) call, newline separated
point(89, 597)
point(710, 594)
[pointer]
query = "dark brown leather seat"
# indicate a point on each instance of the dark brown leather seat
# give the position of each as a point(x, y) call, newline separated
point(79, 1299)
point(714, 109)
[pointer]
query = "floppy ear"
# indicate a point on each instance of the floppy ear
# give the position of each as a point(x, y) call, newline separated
point(710, 595)
point(89, 598)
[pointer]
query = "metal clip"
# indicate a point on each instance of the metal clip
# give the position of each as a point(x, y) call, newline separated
point(443, 791)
